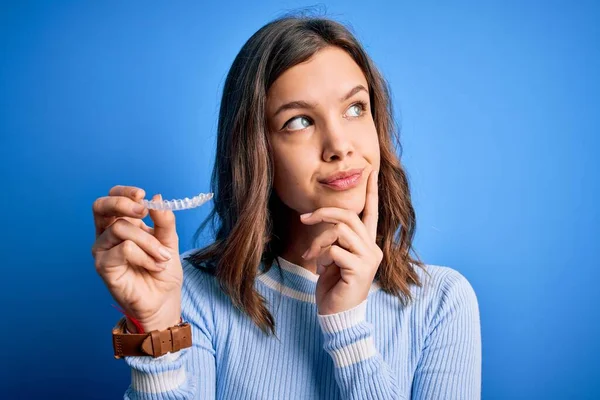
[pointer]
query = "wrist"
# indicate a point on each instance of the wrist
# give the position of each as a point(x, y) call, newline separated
point(165, 318)
point(160, 326)
point(163, 322)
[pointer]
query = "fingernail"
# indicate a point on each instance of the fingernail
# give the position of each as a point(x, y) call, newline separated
point(164, 252)
point(138, 208)
point(305, 253)
point(306, 215)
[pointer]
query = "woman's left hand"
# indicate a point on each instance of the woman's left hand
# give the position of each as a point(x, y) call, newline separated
point(347, 268)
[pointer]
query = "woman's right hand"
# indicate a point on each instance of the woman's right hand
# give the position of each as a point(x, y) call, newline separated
point(128, 257)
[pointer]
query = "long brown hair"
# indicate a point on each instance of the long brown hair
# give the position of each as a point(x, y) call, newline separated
point(248, 229)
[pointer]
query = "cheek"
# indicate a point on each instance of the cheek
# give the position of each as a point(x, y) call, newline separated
point(376, 151)
point(369, 144)
point(291, 177)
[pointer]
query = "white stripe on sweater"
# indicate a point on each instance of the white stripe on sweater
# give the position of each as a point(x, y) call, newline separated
point(331, 323)
point(157, 382)
point(354, 353)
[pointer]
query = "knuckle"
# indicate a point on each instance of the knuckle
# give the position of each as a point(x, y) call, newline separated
point(343, 230)
point(119, 227)
point(96, 205)
point(98, 265)
point(128, 247)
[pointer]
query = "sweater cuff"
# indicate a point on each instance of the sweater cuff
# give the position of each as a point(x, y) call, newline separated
point(157, 375)
point(348, 336)
point(332, 323)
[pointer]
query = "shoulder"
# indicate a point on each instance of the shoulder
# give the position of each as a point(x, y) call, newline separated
point(439, 280)
point(445, 291)
point(194, 275)
point(200, 292)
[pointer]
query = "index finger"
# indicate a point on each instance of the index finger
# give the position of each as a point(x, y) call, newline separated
point(105, 217)
point(132, 192)
point(371, 211)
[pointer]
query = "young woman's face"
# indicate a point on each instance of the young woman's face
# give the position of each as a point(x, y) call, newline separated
point(320, 124)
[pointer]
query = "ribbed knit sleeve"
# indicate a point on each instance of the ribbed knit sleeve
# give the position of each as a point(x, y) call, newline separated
point(450, 364)
point(360, 371)
point(188, 373)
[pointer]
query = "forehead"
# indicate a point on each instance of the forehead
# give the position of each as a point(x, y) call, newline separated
point(327, 75)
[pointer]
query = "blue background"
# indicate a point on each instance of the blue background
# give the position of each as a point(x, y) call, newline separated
point(499, 110)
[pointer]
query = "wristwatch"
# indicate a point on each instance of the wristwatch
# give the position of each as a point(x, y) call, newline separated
point(155, 343)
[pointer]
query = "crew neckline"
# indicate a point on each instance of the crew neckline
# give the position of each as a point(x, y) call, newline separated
point(294, 281)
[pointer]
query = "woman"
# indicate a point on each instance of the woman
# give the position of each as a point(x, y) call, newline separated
point(313, 242)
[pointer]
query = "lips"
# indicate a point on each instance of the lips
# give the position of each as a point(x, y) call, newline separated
point(342, 175)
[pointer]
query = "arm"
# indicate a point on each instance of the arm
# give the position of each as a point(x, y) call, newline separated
point(450, 365)
point(360, 371)
point(188, 373)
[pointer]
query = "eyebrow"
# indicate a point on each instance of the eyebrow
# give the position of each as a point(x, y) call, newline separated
point(300, 104)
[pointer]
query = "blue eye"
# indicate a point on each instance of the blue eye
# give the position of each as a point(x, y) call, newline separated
point(357, 109)
point(294, 125)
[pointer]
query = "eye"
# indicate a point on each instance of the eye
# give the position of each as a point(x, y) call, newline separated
point(356, 109)
point(297, 123)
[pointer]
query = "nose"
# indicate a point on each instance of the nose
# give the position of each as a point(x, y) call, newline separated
point(337, 143)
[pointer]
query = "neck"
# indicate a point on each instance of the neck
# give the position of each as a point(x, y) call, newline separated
point(298, 237)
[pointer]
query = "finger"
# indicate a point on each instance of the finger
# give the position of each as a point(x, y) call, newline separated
point(343, 259)
point(123, 230)
point(132, 192)
point(340, 233)
point(126, 253)
point(122, 201)
point(337, 215)
point(324, 261)
point(371, 211)
point(136, 222)
point(119, 206)
point(164, 226)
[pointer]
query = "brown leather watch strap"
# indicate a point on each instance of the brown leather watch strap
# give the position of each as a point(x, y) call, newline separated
point(155, 343)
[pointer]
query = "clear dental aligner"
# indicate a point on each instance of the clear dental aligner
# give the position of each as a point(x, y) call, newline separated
point(178, 204)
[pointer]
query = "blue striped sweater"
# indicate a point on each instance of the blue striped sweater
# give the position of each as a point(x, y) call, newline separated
point(428, 349)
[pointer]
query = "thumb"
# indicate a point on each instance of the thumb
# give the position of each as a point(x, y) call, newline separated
point(164, 226)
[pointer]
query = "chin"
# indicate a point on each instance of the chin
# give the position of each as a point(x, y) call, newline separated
point(351, 203)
